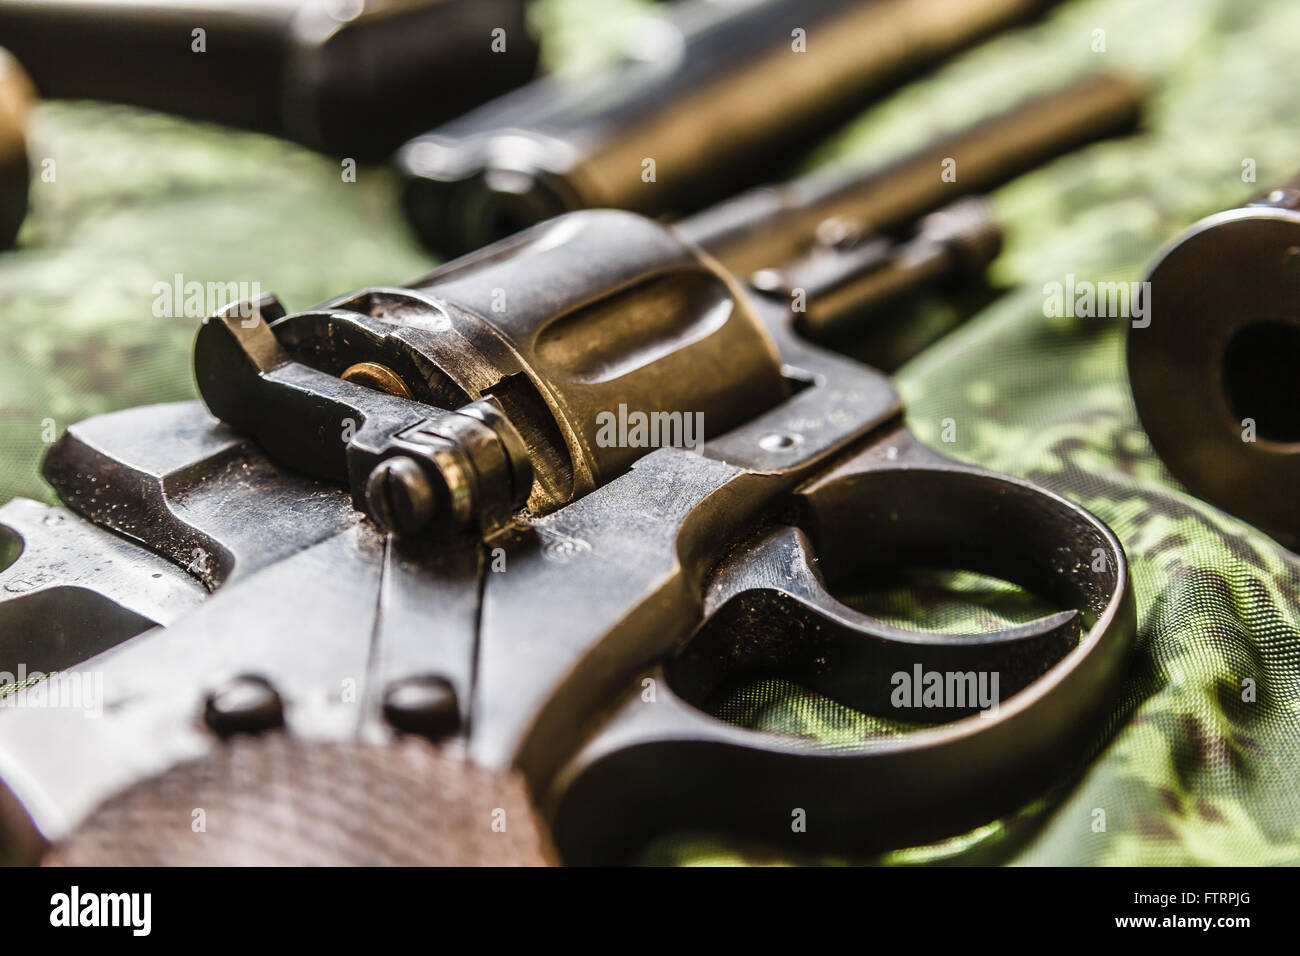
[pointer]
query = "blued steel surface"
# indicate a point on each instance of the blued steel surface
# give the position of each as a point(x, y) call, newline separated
point(350, 78)
point(525, 644)
point(771, 224)
point(685, 103)
point(1213, 371)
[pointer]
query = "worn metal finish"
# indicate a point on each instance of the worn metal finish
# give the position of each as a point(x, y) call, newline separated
point(768, 609)
point(16, 98)
point(353, 79)
point(552, 327)
point(399, 496)
point(1214, 371)
point(427, 532)
point(685, 99)
point(172, 477)
point(472, 465)
point(424, 704)
point(71, 589)
point(524, 645)
point(846, 276)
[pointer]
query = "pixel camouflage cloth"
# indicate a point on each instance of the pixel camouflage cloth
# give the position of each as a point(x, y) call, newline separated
point(1189, 772)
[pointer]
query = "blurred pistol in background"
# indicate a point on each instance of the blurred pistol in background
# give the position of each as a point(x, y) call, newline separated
point(349, 77)
point(719, 96)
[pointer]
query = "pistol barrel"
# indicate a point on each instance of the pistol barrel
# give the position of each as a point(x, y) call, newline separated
point(722, 95)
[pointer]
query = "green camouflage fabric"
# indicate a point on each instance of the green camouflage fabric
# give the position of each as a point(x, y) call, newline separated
point(1189, 772)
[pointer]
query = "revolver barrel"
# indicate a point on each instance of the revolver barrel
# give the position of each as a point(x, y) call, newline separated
point(772, 224)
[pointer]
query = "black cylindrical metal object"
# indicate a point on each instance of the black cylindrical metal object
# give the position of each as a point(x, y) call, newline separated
point(842, 281)
point(350, 77)
point(723, 94)
point(1213, 362)
point(567, 325)
point(16, 97)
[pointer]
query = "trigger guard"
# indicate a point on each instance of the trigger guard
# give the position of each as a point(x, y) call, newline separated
point(667, 765)
point(916, 508)
point(770, 613)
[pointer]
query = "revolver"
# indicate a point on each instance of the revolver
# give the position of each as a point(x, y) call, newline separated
point(456, 571)
point(350, 77)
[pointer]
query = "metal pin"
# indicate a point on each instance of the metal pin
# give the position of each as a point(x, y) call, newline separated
point(399, 496)
point(246, 704)
point(424, 705)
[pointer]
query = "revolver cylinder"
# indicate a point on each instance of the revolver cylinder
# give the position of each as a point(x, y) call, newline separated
point(599, 336)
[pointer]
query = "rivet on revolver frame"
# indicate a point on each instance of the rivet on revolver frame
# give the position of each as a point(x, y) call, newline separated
point(424, 705)
point(778, 441)
point(246, 704)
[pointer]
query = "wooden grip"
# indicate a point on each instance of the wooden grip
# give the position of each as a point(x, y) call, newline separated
point(276, 800)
